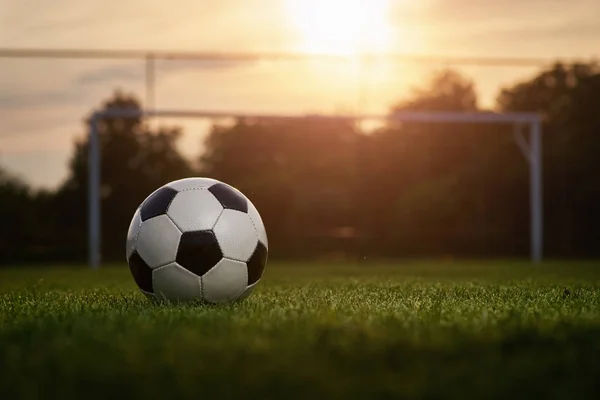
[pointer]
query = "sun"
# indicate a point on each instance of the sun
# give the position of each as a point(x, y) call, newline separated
point(347, 27)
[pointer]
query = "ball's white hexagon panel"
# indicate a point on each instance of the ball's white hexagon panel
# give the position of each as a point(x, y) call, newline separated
point(158, 241)
point(236, 235)
point(132, 233)
point(174, 283)
point(258, 224)
point(225, 281)
point(192, 183)
point(195, 210)
point(247, 291)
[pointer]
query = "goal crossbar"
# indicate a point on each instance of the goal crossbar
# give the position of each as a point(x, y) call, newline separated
point(531, 150)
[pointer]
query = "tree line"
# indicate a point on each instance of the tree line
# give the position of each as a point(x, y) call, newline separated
point(327, 189)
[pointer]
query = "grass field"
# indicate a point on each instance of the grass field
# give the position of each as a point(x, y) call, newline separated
point(411, 330)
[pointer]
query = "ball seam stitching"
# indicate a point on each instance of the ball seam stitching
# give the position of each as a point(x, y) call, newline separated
point(194, 188)
point(254, 225)
point(201, 288)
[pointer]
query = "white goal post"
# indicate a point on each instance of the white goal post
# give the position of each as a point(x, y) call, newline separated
point(531, 150)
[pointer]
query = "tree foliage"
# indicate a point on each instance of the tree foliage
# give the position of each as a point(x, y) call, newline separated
point(442, 187)
point(26, 221)
point(135, 160)
point(300, 174)
point(324, 187)
point(567, 96)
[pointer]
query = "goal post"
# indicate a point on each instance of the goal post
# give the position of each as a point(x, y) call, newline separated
point(531, 150)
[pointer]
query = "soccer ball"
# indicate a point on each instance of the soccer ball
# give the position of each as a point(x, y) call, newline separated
point(196, 239)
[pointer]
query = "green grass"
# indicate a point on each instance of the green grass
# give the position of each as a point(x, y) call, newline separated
point(411, 330)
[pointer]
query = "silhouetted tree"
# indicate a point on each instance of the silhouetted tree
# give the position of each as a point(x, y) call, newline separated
point(135, 160)
point(16, 216)
point(27, 224)
point(300, 174)
point(443, 188)
point(567, 96)
point(447, 90)
point(406, 189)
point(413, 188)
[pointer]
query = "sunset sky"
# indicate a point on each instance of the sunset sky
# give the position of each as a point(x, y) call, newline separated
point(43, 102)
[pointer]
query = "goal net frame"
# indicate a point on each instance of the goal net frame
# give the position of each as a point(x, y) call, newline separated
point(531, 150)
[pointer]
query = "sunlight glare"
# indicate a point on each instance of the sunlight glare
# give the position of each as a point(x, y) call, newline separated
point(342, 26)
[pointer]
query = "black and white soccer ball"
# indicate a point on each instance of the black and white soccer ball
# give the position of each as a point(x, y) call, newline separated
point(197, 239)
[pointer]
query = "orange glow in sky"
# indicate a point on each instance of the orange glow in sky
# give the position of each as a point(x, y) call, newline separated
point(43, 101)
point(341, 26)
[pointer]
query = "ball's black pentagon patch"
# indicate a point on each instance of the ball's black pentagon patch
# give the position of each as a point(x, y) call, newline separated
point(256, 264)
point(158, 203)
point(229, 198)
point(198, 251)
point(142, 273)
